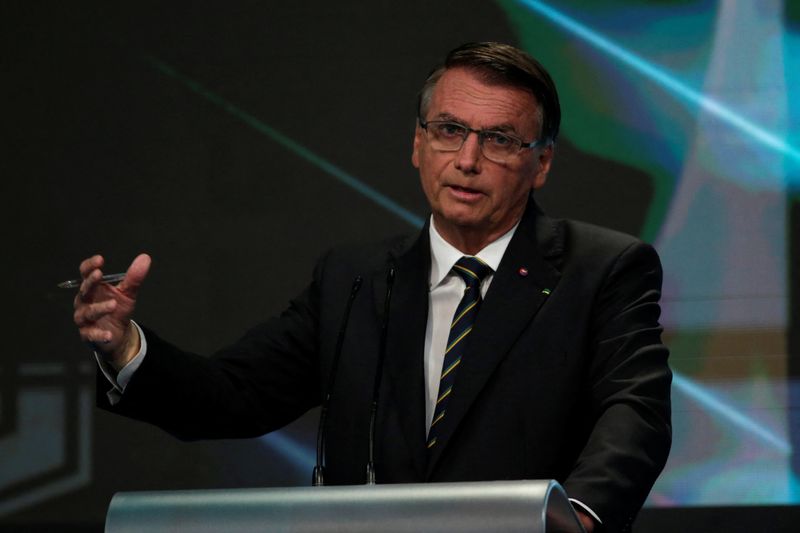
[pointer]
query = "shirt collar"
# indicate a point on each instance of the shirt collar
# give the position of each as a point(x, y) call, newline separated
point(444, 255)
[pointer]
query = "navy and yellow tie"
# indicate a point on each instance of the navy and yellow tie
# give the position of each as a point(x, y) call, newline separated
point(472, 270)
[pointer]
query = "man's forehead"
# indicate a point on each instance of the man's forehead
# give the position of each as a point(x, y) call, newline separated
point(465, 95)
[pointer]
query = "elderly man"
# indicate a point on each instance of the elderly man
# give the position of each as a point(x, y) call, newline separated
point(509, 345)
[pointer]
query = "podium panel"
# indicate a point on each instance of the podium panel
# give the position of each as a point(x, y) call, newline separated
point(508, 506)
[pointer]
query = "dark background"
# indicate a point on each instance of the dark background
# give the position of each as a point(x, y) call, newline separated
point(107, 150)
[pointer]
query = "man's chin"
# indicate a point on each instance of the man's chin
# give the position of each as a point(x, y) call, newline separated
point(461, 220)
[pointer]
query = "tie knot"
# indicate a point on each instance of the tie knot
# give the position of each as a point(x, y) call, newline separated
point(472, 270)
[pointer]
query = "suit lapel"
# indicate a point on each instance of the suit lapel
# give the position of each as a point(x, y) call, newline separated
point(407, 322)
point(512, 301)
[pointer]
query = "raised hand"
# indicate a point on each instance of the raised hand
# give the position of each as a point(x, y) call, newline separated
point(103, 311)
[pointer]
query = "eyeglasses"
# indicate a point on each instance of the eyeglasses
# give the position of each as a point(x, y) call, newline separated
point(496, 146)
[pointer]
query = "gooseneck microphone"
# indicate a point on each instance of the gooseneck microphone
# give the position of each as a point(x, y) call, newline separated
point(318, 475)
point(379, 372)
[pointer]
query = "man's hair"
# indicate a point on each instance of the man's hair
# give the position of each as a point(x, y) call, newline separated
point(502, 64)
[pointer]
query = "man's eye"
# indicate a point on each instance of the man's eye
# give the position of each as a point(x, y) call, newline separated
point(450, 130)
point(492, 137)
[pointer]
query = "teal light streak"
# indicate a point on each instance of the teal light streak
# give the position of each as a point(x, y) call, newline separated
point(300, 455)
point(292, 145)
point(658, 75)
point(731, 414)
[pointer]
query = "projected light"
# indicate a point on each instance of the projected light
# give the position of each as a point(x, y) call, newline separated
point(662, 77)
point(722, 161)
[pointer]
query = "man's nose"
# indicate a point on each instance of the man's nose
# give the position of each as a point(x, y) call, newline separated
point(468, 158)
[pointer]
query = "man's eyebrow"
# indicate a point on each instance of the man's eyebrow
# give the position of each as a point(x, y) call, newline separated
point(504, 127)
point(449, 117)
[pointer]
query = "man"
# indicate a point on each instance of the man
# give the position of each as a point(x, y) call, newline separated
point(541, 358)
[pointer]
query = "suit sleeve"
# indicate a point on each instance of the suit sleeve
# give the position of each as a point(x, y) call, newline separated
point(265, 380)
point(629, 397)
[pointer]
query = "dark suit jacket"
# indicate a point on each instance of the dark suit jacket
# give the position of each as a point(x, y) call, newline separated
point(565, 375)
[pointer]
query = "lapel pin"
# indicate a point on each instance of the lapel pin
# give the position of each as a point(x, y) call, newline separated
point(523, 271)
point(546, 292)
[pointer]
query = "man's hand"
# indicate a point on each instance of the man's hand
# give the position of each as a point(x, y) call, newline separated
point(103, 311)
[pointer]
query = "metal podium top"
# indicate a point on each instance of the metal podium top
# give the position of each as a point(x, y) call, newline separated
point(539, 506)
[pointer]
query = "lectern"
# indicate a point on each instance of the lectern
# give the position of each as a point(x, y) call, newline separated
point(539, 506)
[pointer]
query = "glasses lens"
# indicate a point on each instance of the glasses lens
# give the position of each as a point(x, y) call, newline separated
point(497, 146)
point(446, 135)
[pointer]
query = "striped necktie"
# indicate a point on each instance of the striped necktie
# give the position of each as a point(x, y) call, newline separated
point(472, 270)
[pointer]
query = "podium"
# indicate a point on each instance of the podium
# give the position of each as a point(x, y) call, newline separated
point(539, 506)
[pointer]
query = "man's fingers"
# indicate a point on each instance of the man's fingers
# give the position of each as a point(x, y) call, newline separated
point(96, 335)
point(90, 264)
point(91, 274)
point(135, 275)
point(88, 313)
point(90, 279)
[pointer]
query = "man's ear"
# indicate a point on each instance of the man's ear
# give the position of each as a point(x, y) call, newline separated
point(417, 144)
point(543, 166)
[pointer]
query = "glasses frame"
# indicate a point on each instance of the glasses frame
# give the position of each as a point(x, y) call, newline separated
point(481, 137)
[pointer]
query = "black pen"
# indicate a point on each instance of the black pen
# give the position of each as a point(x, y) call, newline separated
point(75, 283)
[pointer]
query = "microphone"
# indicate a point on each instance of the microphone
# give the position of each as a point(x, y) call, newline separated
point(318, 474)
point(378, 375)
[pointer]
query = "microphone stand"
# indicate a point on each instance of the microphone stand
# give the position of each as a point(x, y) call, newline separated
point(378, 375)
point(318, 474)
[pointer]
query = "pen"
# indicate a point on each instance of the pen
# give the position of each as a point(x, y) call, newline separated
point(108, 278)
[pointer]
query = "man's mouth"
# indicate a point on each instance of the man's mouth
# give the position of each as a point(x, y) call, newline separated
point(464, 193)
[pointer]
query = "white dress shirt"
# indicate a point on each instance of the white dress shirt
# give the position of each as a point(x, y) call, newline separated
point(445, 291)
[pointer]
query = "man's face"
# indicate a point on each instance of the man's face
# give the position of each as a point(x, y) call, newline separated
point(475, 200)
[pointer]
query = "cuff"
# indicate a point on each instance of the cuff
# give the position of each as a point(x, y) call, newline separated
point(586, 509)
point(119, 380)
